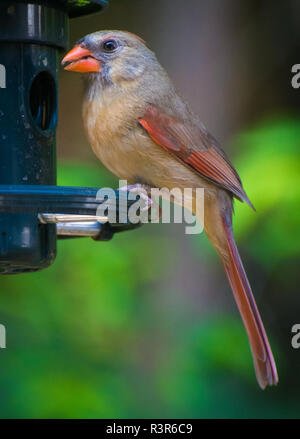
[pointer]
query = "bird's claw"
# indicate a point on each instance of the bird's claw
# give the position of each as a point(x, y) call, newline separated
point(142, 191)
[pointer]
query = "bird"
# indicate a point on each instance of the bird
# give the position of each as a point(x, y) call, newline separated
point(144, 132)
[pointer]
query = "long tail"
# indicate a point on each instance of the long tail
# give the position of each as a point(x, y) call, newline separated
point(264, 363)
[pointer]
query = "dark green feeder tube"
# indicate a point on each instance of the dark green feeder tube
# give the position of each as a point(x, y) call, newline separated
point(31, 35)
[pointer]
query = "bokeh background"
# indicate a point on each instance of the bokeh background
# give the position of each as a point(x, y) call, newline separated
point(146, 325)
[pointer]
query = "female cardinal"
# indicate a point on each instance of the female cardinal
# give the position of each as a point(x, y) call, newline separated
point(143, 131)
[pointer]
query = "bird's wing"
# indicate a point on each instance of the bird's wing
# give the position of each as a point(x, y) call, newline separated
point(195, 147)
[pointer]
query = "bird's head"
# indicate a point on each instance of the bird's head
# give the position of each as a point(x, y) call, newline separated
point(112, 56)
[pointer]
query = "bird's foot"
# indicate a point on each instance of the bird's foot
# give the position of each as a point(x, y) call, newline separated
point(143, 190)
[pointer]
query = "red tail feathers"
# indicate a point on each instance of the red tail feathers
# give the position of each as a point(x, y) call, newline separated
point(264, 363)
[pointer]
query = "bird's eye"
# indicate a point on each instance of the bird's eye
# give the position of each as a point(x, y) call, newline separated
point(110, 46)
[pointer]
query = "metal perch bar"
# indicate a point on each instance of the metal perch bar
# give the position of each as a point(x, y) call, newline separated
point(91, 229)
point(50, 218)
point(75, 225)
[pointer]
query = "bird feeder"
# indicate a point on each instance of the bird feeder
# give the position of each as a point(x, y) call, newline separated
point(33, 210)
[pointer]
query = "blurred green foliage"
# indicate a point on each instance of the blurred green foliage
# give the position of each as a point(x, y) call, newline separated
point(269, 161)
point(92, 336)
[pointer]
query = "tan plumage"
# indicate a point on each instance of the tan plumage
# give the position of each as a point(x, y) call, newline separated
point(143, 132)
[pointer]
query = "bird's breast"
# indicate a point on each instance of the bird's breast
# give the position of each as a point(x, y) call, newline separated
point(111, 125)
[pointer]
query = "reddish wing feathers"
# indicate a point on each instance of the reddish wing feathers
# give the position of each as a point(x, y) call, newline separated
point(195, 147)
point(214, 166)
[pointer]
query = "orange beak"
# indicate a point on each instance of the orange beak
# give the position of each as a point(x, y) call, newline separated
point(80, 60)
